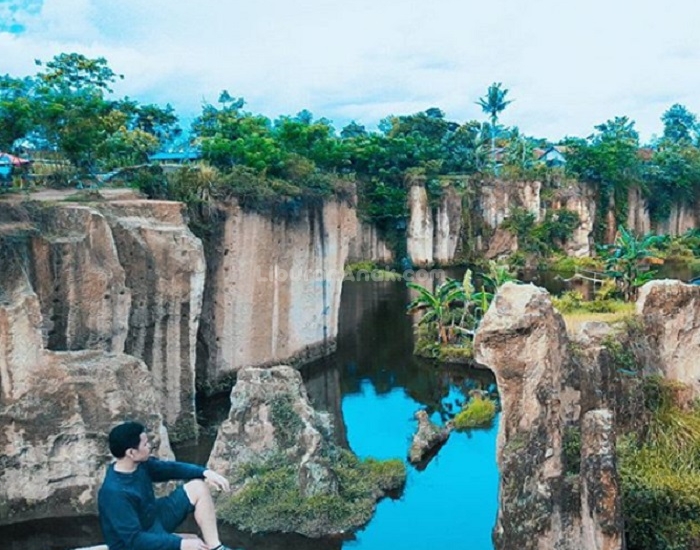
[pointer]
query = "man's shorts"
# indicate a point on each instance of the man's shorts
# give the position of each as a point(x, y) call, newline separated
point(172, 511)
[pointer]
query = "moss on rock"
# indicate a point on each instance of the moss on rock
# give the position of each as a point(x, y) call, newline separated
point(271, 499)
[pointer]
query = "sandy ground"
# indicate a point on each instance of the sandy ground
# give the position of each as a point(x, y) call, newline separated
point(105, 193)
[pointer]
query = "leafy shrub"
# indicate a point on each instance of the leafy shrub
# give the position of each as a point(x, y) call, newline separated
point(571, 449)
point(569, 301)
point(478, 413)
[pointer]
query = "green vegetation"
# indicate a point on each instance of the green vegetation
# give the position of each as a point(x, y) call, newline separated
point(76, 129)
point(285, 419)
point(450, 315)
point(272, 501)
point(479, 412)
point(543, 238)
point(369, 271)
point(571, 450)
point(626, 261)
point(660, 471)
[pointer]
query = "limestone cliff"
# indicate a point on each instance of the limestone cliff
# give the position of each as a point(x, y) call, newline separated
point(579, 198)
point(436, 233)
point(57, 407)
point(681, 219)
point(671, 313)
point(368, 245)
point(273, 287)
point(164, 271)
point(419, 237)
point(433, 233)
point(122, 276)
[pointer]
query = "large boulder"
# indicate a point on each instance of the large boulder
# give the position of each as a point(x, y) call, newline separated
point(53, 440)
point(670, 311)
point(270, 415)
point(287, 473)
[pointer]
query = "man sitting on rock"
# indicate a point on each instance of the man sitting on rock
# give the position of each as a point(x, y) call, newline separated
point(132, 518)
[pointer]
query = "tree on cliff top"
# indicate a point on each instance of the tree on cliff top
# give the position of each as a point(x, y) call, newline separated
point(493, 104)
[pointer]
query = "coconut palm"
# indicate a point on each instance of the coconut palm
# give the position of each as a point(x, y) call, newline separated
point(493, 104)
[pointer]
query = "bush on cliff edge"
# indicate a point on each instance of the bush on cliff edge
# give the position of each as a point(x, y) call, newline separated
point(660, 471)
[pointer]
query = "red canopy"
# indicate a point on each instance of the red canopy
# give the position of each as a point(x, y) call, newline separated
point(15, 161)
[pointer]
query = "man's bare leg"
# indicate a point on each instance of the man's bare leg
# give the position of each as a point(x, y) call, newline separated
point(204, 512)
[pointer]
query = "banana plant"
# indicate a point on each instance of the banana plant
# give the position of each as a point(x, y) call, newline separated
point(437, 306)
point(625, 260)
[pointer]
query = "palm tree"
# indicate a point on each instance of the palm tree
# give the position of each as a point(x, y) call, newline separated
point(493, 104)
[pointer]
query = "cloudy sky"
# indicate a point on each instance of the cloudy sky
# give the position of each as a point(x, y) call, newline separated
point(569, 65)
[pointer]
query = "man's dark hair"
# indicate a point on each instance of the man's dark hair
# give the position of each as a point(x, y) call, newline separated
point(125, 436)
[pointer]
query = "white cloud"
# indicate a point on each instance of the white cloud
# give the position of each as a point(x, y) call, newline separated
point(568, 65)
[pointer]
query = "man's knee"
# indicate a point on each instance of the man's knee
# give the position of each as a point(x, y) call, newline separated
point(195, 490)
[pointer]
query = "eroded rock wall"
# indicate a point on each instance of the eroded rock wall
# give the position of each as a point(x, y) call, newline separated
point(419, 236)
point(164, 271)
point(433, 233)
point(543, 502)
point(273, 287)
point(57, 407)
point(121, 276)
point(681, 219)
point(670, 311)
point(578, 198)
point(368, 245)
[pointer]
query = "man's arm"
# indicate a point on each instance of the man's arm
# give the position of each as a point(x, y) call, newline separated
point(165, 470)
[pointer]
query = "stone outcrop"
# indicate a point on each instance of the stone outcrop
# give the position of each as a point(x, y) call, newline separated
point(578, 198)
point(681, 219)
point(164, 271)
point(273, 287)
point(637, 212)
point(600, 492)
point(433, 232)
point(427, 440)
point(53, 439)
point(498, 198)
point(419, 236)
point(493, 202)
point(79, 280)
point(545, 397)
point(670, 310)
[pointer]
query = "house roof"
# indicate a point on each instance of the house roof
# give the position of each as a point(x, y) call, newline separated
point(182, 155)
point(7, 158)
point(645, 153)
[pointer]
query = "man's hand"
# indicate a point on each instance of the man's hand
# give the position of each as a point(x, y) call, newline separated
point(194, 543)
point(218, 480)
